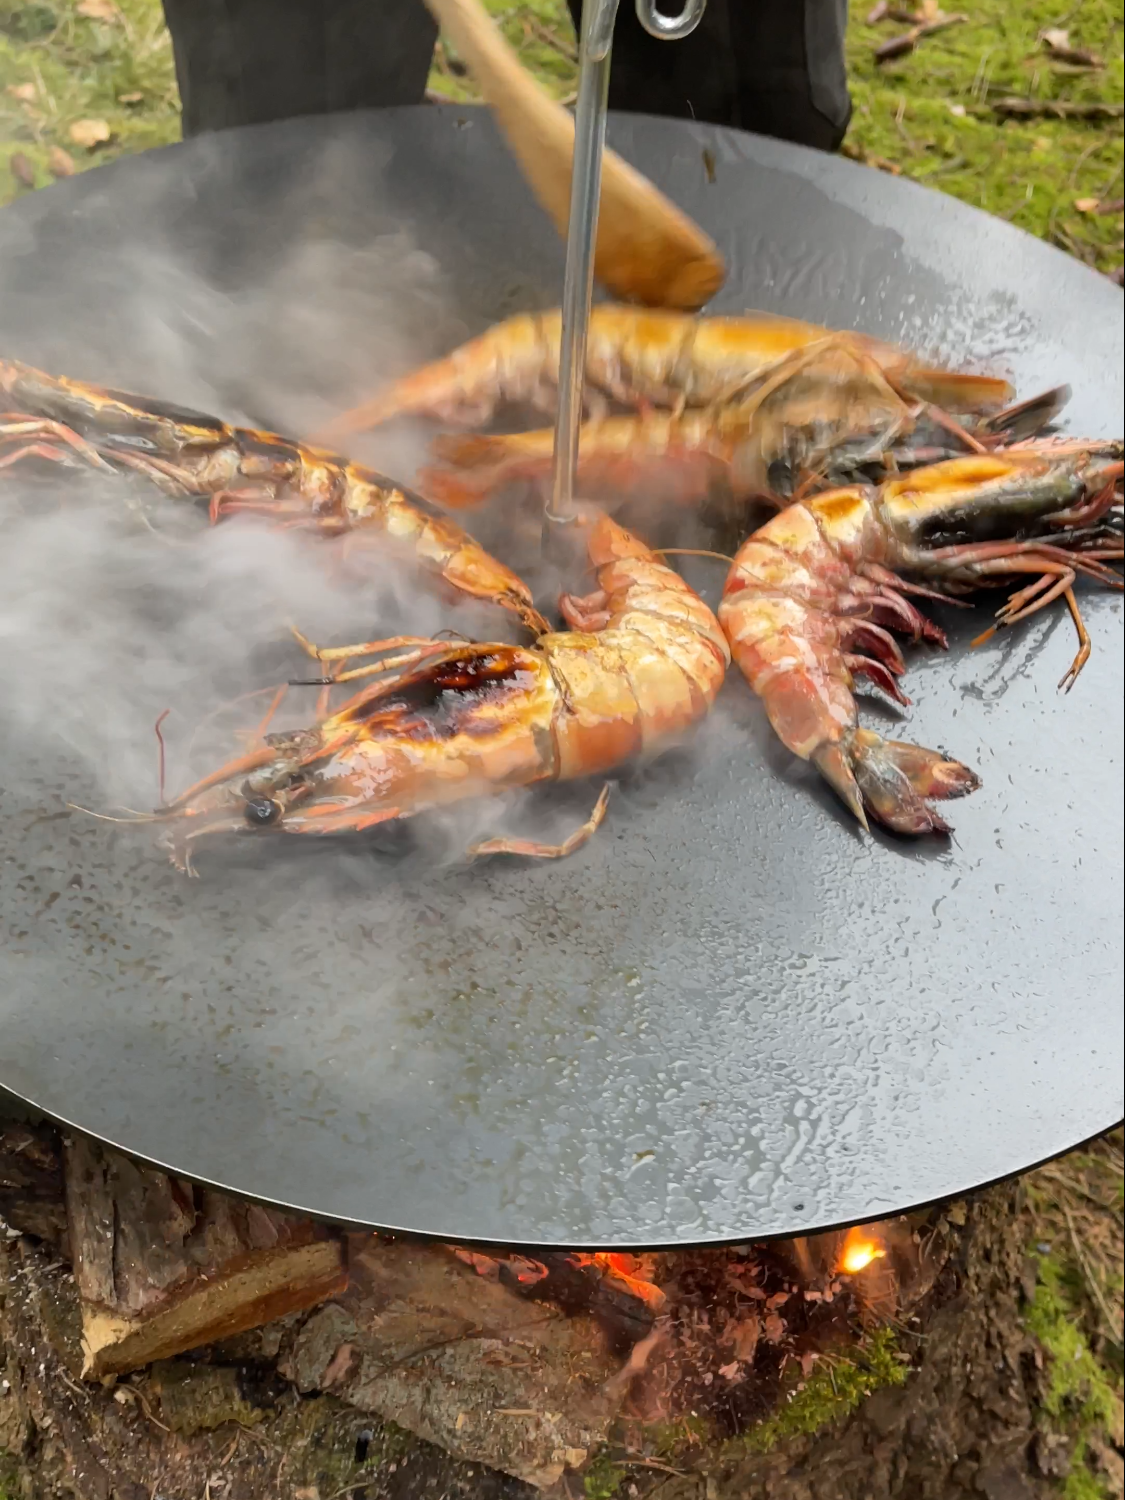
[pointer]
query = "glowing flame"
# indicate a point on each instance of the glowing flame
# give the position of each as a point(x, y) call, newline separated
point(860, 1249)
point(630, 1272)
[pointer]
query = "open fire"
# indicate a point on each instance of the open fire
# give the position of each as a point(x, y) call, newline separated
point(861, 1246)
point(526, 1362)
point(722, 1334)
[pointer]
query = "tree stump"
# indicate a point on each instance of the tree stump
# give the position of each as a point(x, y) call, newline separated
point(945, 1401)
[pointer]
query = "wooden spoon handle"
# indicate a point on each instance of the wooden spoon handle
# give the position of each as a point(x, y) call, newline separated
point(647, 250)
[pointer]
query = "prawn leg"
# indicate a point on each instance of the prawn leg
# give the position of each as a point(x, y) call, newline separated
point(364, 648)
point(1070, 676)
point(1057, 573)
point(35, 431)
point(529, 849)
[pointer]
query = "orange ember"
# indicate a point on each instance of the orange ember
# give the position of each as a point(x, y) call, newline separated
point(860, 1249)
point(629, 1272)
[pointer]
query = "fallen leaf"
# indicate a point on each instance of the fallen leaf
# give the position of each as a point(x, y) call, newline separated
point(338, 1365)
point(808, 1359)
point(26, 93)
point(130, 98)
point(731, 1372)
point(483, 1265)
point(1086, 205)
point(21, 169)
point(775, 1328)
point(881, 164)
point(59, 162)
point(744, 1337)
point(89, 133)
point(98, 10)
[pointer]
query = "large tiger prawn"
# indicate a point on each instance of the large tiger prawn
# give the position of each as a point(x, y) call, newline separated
point(441, 723)
point(812, 594)
point(237, 469)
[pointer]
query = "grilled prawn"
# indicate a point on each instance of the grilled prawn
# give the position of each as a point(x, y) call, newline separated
point(442, 723)
point(640, 357)
point(827, 411)
point(807, 603)
point(186, 453)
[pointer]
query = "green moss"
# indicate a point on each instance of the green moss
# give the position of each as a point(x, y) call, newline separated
point(9, 1476)
point(834, 1388)
point(1079, 1401)
point(320, 1435)
point(670, 1440)
point(603, 1478)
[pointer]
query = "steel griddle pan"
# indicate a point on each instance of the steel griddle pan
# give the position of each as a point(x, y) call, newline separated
point(730, 1015)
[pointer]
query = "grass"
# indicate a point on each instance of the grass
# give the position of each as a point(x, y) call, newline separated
point(933, 114)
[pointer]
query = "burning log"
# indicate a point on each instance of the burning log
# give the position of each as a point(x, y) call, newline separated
point(606, 1286)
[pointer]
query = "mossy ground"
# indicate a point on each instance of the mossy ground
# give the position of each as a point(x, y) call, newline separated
point(1074, 1227)
point(932, 116)
point(835, 1388)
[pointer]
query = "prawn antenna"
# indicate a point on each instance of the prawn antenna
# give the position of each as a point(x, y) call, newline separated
point(160, 753)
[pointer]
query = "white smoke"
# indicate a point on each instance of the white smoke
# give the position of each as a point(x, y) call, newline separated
point(117, 602)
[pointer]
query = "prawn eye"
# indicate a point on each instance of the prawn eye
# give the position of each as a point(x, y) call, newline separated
point(262, 810)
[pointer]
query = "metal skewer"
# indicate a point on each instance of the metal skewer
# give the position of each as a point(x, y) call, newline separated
point(598, 17)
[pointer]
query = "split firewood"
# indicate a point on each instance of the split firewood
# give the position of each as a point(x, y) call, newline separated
point(163, 1267)
point(425, 1340)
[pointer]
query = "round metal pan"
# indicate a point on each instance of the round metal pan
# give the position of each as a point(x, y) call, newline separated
point(731, 1015)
